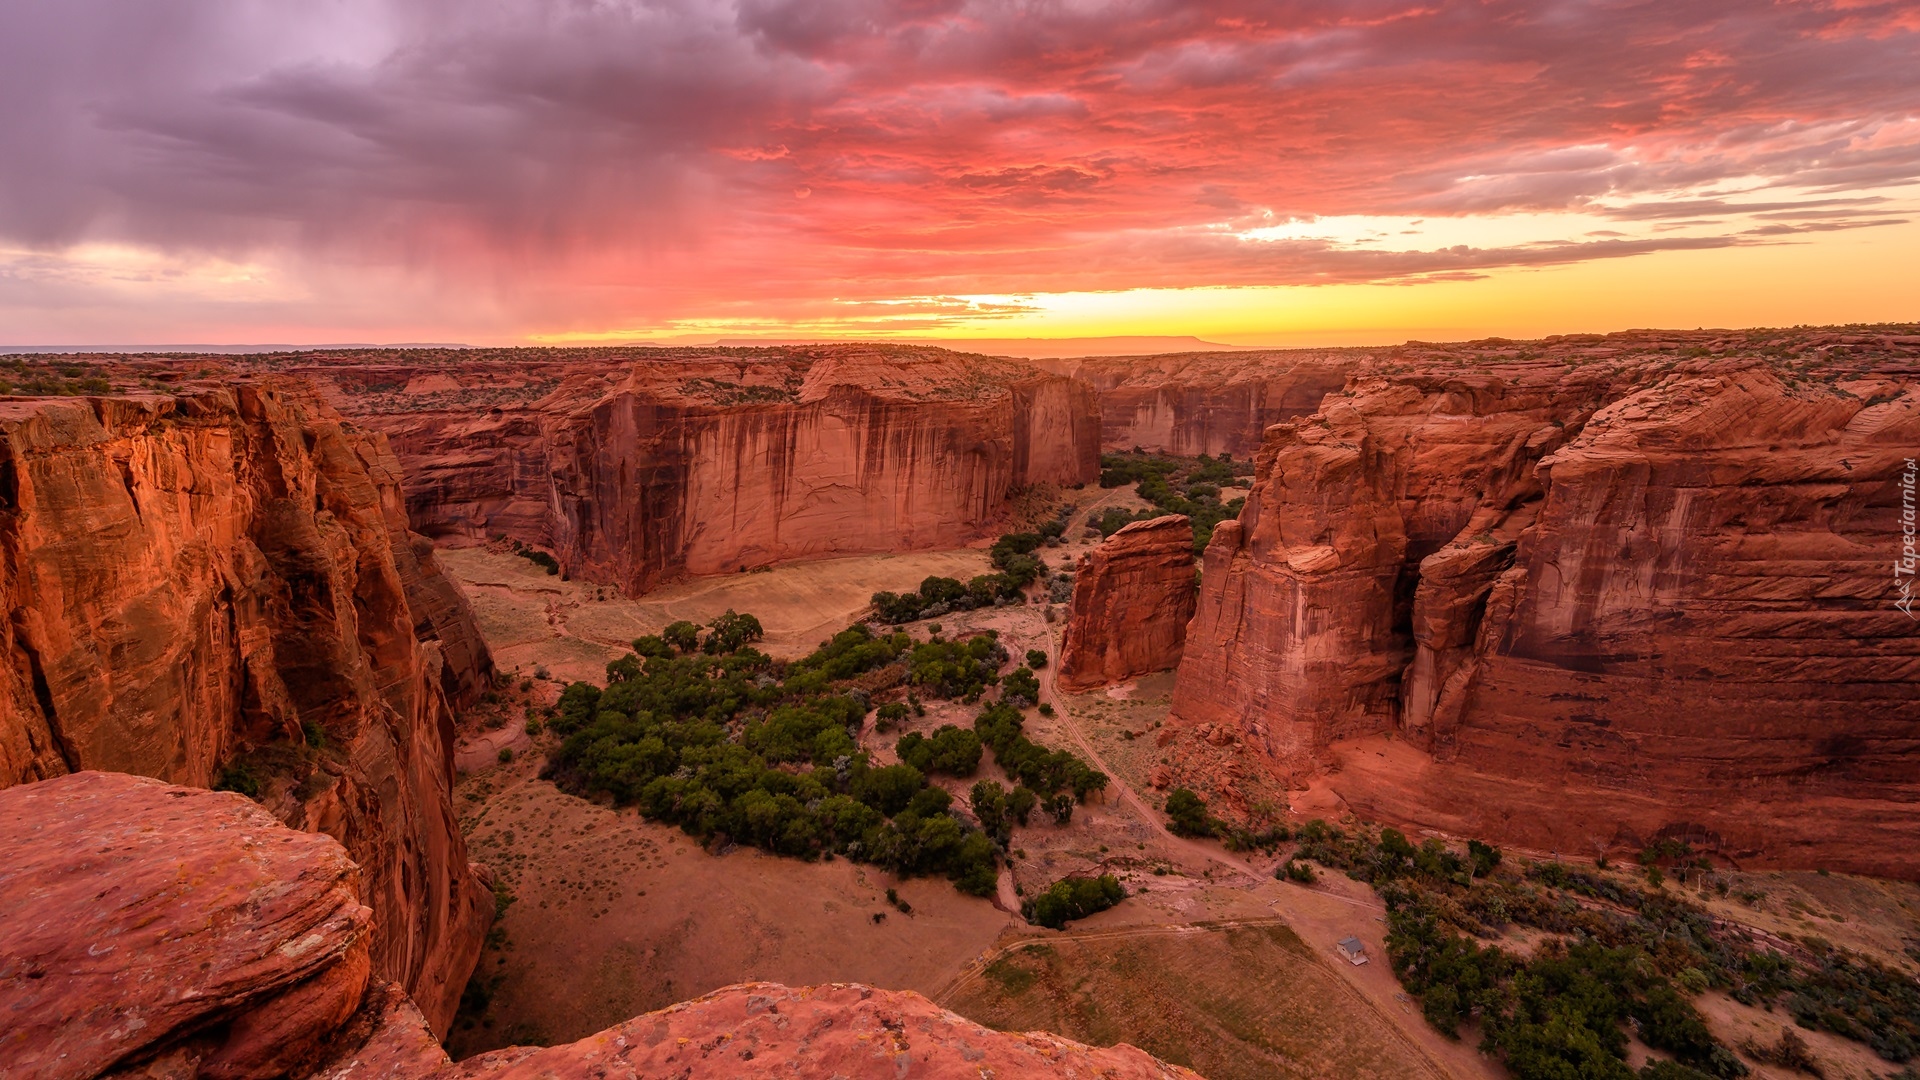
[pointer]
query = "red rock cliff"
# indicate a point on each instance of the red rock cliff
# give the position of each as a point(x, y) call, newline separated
point(1132, 597)
point(669, 462)
point(222, 577)
point(165, 931)
point(1207, 403)
point(1603, 601)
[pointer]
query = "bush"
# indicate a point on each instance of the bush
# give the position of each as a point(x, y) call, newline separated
point(1188, 814)
point(1036, 658)
point(1072, 898)
point(1020, 688)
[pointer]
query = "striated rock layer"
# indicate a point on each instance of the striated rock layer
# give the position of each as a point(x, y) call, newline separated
point(644, 465)
point(167, 931)
point(1598, 600)
point(220, 582)
point(1132, 598)
point(1208, 403)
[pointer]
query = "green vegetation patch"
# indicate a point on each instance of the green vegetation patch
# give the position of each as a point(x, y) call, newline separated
point(1015, 567)
point(1072, 898)
point(33, 379)
point(1621, 955)
point(702, 730)
point(1174, 486)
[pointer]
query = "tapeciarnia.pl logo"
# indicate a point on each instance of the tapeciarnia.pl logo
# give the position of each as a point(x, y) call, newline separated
point(1903, 566)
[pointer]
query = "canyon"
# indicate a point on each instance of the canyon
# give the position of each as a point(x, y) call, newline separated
point(637, 470)
point(1577, 596)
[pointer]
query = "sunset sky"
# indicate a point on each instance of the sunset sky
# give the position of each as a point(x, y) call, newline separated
point(586, 171)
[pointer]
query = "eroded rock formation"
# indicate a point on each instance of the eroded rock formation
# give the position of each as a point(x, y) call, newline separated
point(638, 468)
point(1604, 599)
point(1132, 597)
point(219, 582)
point(1207, 403)
point(166, 931)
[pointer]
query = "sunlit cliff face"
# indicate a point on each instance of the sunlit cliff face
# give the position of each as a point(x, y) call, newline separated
point(566, 171)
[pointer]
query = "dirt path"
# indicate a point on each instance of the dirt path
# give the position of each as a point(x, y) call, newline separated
point(1203, 852)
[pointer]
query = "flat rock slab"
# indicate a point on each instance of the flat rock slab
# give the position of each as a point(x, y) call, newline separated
point(143, 918)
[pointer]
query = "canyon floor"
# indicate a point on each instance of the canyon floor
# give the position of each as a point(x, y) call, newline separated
point(1209, 963)
point(613, 915)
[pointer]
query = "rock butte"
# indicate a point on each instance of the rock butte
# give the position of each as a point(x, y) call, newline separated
point(167, 931)
point(196, 574)
point(1132, 597)
point(1596, 598)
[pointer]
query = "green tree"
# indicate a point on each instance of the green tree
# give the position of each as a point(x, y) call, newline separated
point(682, 635)
point(732, 631)
point(1188, 813)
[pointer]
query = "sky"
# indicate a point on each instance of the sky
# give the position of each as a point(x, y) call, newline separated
point(1293, 173)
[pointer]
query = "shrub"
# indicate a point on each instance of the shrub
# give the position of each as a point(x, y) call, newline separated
point(1020, 688)
point(1036, 658)
point(1188, 814)
point(1072, 898)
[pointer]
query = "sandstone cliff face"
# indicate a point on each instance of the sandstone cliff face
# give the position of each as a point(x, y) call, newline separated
point(698, 462)
point(1207, 403)
point(1602, 603)
point(1132, 598)
point(157, 930)
point(224, 574)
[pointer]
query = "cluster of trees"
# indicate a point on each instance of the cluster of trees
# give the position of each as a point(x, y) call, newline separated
point(998, 809)
point(733, 746)
point(952, 750)
point(1015, 568)
point(535, 556)
point(727, 633)
point(1562, 1012)
point(1053, 780)
point(1072, 898)
point(1636, 959)
point(1187, 814)
point(957, 669)
point(698, 728)
point(1059, 777)
point(1173, 486)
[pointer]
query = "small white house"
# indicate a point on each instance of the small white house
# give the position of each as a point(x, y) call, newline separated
point(1353, 949)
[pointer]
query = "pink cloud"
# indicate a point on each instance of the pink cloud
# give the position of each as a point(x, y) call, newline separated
point(654, 160)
